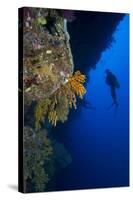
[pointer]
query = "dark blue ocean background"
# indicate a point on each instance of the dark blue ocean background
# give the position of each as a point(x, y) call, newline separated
point(98, 140)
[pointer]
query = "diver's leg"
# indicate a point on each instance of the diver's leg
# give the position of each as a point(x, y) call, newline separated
point(113, 94)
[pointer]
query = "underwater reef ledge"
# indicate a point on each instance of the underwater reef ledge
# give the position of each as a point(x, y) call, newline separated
point(48, 76)
point(90, 35)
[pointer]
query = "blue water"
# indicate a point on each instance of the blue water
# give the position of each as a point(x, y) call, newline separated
point(98, 141)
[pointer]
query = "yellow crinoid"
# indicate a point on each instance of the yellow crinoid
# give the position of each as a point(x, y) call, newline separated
point(52, 117)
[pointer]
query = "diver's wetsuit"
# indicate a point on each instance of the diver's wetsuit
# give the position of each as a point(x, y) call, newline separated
point(112, 81)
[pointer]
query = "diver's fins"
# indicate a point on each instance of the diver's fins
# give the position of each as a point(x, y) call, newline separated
point(113, 104)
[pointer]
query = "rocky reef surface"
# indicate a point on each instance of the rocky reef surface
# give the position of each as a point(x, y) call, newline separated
point(50, 90)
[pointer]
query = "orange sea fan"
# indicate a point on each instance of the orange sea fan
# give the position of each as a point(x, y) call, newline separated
point(56, 108)
point(76, 83)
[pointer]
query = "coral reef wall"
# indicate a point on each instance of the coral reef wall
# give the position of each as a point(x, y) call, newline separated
point(50, 88)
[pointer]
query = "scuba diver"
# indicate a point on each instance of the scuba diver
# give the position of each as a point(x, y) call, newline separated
point(113, 83)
